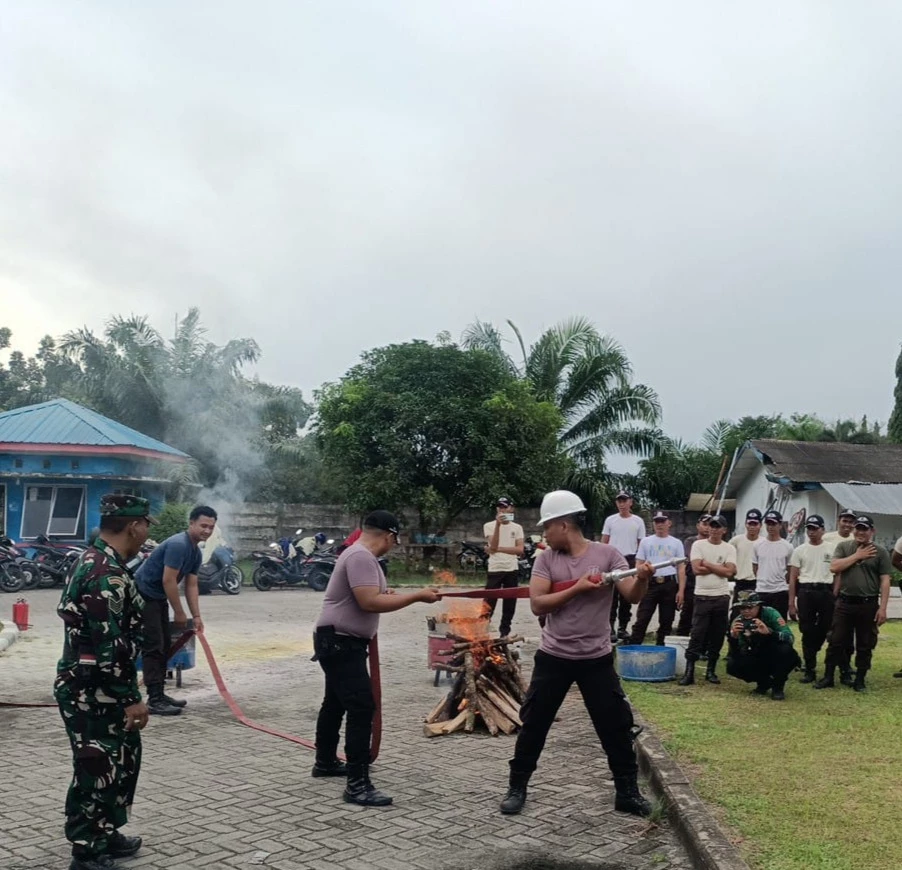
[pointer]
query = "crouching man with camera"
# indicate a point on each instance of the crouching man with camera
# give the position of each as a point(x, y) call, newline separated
point(760, 647)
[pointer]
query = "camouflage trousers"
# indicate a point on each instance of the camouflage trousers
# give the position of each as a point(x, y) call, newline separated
point(106, 760)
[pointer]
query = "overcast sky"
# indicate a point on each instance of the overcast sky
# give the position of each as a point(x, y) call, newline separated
point(717, 188)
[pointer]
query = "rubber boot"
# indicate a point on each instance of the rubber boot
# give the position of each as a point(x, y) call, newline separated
point(688, 678)
point(711, 671)
point(859, 685)
point(516, 794)
point(827, 681)
point(120, 846)
point(329, 767)
point(361, 791)
point(157, 703)
point(628, 798)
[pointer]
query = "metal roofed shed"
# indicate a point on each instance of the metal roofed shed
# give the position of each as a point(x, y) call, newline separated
point(800, 478)
point(56, 460)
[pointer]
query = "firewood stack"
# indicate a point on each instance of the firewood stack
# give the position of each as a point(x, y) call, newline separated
point(487, 691)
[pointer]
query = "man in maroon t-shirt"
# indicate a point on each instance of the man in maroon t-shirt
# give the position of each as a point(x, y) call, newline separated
point(576, 647)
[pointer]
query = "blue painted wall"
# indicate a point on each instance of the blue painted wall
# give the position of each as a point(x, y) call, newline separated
point(119, 473)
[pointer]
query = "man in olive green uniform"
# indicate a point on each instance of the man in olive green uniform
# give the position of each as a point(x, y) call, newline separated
point(97, 685)
point(862, 570)
point(760, 647)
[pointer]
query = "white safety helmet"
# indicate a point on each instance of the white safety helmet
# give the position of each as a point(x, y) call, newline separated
point(560, 503)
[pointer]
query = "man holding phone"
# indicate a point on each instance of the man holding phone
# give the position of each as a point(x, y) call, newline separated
point(178, 558)
point(504, 545)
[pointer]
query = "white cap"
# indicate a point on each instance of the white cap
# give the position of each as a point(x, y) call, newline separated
point(560, 503)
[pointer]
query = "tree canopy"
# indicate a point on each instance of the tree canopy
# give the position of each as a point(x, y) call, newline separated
point(437, 428)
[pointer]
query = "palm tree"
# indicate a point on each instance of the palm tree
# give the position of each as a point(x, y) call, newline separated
point(587, 376)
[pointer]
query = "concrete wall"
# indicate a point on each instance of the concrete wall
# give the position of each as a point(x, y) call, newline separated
point(250, 526)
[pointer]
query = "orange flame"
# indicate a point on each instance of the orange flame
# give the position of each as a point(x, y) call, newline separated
point(444, 578)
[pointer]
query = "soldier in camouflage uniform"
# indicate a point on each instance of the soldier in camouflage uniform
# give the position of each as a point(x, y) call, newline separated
point(97, 685)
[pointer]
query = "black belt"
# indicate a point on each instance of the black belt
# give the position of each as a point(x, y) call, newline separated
point(859, 599)
point(815, 586)
point(659, 579)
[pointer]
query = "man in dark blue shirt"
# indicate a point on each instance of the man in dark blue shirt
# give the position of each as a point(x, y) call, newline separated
point(178, 558)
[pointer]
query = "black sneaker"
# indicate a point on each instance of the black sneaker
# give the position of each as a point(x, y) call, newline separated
point(161, 707)
point(121, 846)
point(92, 862)
point(330, 768)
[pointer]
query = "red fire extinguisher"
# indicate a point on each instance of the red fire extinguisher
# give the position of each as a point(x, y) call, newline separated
point(20, 614)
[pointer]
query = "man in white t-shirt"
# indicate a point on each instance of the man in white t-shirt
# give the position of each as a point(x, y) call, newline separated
point(845, 525)
point(623, 530)
point(504, 545)
point(745, 551)
point(714, 563)
point(662, 588)
point(771, 563)
point(811, 593)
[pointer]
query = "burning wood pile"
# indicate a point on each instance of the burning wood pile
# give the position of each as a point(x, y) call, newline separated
point(488, 689)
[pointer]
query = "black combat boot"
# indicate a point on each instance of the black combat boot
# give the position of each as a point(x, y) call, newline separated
point(628, 798)
point(711, 671)
point(777, 693)
point(809, 676)
point(847, 676)
point(121, 846)
point(688, 678)
point(827, 681)
point(92, 862)
point(174, 702)
point(859, 685)
point(361, 791)
point(516, 794)
point(157, 703)
point(329, 767)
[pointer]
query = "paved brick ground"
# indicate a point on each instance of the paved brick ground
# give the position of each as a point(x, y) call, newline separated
point(214, 794)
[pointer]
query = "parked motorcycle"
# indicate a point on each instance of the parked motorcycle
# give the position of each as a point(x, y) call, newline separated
point(12, 577)
point(54, 560)
point(532, 546)
point(472, 556)
point(275, 569)
point(221, 572)
point(30, 570)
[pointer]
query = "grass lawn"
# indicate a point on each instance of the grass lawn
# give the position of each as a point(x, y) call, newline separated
point(812, 782)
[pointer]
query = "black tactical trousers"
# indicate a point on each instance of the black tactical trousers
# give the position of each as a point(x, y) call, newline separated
point(769, 663)
point(709, 627)
point(157, 641)
point(778, 600)
point(621, 609)
point(605, 700)
point(684, 626)
point(815, 603)
point(348, 691)
point(853, 617)
point(503, 580)
point(663, 597)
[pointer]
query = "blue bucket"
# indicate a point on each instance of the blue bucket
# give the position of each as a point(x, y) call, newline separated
point(646, 664)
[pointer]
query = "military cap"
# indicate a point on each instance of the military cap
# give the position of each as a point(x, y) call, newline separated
point(117, 505)
point(748, 599)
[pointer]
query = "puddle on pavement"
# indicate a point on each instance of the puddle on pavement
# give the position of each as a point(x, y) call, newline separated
point(529, 862)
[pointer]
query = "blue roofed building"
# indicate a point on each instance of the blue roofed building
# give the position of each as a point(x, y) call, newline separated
point(56, 460)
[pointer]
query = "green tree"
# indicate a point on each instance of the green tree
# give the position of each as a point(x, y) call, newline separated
point(587, 377)
point(436, 428)
point(667, 479)
point(894, 430)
